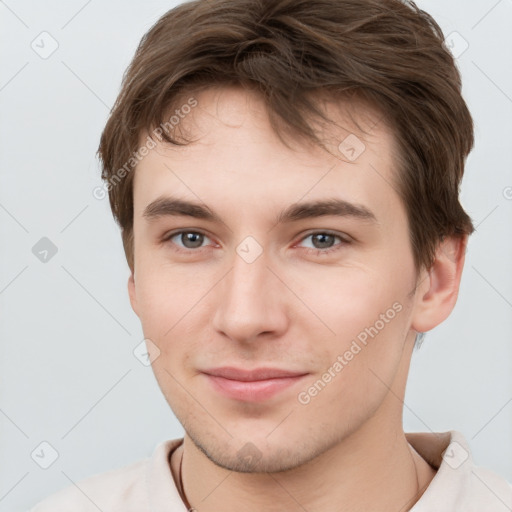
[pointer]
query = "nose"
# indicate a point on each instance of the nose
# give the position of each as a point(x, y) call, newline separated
point(251, 301)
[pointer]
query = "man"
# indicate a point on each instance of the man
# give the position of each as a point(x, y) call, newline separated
point(285, 175)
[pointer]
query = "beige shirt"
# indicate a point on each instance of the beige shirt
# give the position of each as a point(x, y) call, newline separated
point(148, 485)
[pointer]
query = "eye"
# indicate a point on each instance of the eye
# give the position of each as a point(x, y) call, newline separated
point(191, 240)
point(323, 242)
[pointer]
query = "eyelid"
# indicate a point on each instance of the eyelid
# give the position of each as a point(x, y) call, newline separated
point(167, 237)
point(342, 236)
point(345, 239)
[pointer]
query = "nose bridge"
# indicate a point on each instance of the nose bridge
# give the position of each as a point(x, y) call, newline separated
point(248, 297)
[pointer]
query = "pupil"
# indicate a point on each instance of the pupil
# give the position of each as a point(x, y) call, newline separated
point(189, 237)
point(324, 236)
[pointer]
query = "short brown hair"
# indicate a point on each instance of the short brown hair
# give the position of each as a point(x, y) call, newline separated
point(388, 52)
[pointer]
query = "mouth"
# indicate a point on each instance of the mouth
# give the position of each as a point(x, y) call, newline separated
point(251, 386)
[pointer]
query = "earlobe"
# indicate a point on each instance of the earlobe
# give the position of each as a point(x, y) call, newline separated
point(132, 292)
point(438, 294)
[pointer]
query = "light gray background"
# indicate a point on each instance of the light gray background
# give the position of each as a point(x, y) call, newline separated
point(68, 374)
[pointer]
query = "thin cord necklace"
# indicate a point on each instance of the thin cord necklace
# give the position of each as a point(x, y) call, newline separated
point(417, 477)
point(182, 492)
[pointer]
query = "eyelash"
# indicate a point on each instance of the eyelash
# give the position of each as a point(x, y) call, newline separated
point(309, 250)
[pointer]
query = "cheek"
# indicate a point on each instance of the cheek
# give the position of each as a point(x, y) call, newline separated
point(165, 295)
point(349, 300)
point(368, 319)
point(361, 364)
point(159, 310)
point(171, 307)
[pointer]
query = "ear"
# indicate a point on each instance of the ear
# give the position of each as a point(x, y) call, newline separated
point(439, 287)
point(132, 292)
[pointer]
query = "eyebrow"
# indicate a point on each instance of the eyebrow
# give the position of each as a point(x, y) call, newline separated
point(168, 206)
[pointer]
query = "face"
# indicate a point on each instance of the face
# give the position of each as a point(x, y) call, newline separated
point(256, 281)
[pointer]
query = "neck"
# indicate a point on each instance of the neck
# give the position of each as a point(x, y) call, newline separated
point(383, 474)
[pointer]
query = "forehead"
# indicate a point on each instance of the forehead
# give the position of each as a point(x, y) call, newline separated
point(236, 155)
point(233, 108)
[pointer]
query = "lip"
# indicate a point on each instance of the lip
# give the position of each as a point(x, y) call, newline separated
point(264, 373)
point(251, 385)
